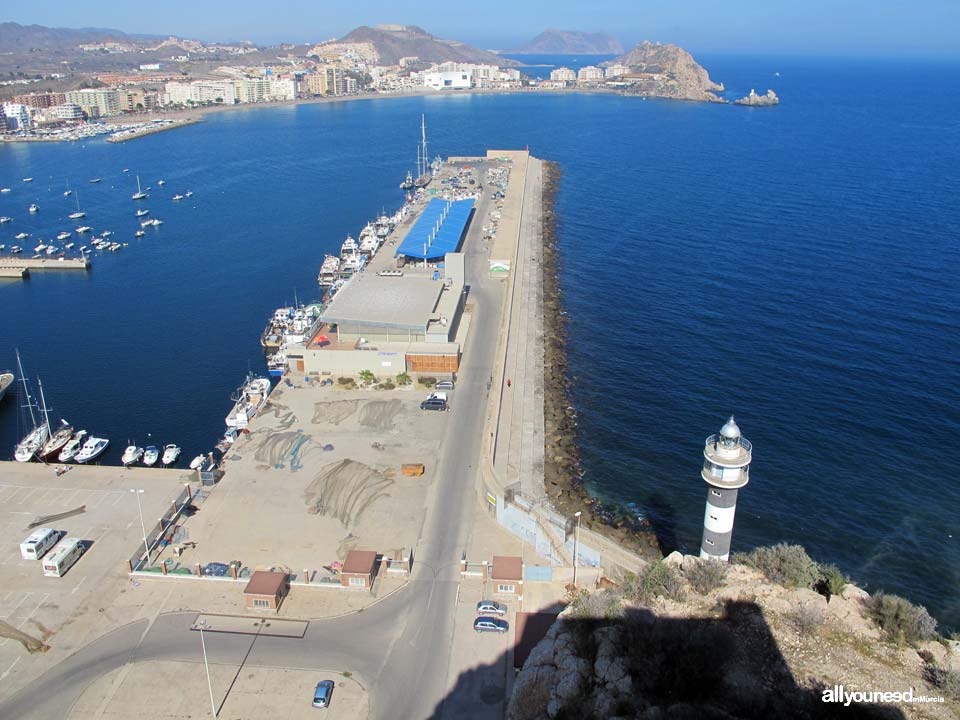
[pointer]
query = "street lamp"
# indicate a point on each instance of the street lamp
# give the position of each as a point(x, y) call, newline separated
point(576, 541)
point(203, 644)
point(146, 547)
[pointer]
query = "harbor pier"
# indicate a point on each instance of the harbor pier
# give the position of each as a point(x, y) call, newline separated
point(21, 267)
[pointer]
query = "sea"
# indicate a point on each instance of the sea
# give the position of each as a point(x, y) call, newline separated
point(795, 267)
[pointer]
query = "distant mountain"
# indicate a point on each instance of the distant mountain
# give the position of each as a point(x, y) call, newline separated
point(26, 38)
point(667, 71)
point(570, 42)
point(389, 43)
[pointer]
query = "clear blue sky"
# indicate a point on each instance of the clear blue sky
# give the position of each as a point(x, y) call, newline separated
point(896, 28)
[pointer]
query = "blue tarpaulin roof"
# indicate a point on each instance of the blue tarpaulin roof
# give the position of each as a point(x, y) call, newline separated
point(438, 231)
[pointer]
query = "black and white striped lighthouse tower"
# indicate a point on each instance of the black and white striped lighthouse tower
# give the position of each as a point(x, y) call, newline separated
point(726, 469)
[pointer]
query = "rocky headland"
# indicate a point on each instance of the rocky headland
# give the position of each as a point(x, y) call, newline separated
point(666, 71)
point(753, 639)
point(755, 100)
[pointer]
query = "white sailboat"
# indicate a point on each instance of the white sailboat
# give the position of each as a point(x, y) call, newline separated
point(38, 434)
point(79, 213)
point(139, 194)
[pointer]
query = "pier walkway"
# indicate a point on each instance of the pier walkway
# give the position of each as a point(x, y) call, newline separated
point(21, 267)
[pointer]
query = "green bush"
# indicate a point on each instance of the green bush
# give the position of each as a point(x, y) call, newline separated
point(427, 381)
point(945, 680)
point(367, 377)
point(345, 381)
point(706, 575)
point(832, 581)
point(386, 385)
point(403, 379)
point(784, 564)
point(656, 579)
point(900, 620)
point(601, 604)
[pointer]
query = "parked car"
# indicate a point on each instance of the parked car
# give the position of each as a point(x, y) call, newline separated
point(433, 404)
point(490, 624)
point(444, 385)
point(491, 607)
point(323, 693)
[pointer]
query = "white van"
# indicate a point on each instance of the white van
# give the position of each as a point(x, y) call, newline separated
point(40, 540)
point(64, 555)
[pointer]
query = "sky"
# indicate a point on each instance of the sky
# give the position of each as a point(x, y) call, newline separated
point(878, 28)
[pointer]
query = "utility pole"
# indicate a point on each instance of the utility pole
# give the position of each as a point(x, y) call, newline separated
point(203, 644)
point(146, 547)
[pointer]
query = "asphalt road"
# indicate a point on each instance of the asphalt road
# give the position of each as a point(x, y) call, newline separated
point(400, 647)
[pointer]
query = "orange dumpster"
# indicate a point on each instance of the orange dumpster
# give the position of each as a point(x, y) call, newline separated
point(412, 469)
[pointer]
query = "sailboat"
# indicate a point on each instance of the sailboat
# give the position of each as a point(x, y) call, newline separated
point(38, 434)
point(139, 194)
point(55, 439)
point(79, 213)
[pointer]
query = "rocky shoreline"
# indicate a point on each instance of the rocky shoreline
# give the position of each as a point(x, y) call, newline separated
point(562, 471)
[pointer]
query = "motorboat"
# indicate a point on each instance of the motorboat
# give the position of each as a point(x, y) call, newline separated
point(249, 399)
point(131, 454)
point(4, 190)
point(139, 233)
point(178, 197)
point(139, 194)
point(70, 450)
point(16, 249)
point(161, 183)
point(91, 449)
point(63, 236)
point(83, 229)
point(67, 193)
point(329, 271)
point(28, 179)
point(56, 441)
point(22, 235)
point(5, 219)
point(198, 461)
point(150, 455)
point(106, 233)
point(95, 180)
point(77, 215)
point(188, 193)
point(34, 207)
point(69, 246)
point(141, 213)
point(40, 248)
point(6, 380)
point(170, 454)
point(277, 364)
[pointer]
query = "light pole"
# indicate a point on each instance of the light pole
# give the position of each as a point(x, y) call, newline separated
point(576, 541)
point(146, 547)
point(203, 644)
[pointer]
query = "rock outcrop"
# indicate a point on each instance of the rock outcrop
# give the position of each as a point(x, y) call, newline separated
point(747, 649)
point(755, 100)
point(667, 71)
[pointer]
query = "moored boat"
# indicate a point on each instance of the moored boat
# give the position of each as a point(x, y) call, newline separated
point(6, 380)
point(92, 448)
point(329, 271)
point(34, 208)
point(139, 194)
point(170, 454)
point(5, 219)
point(56, 441)
point(131, 454)
point(150, 455)
point(39, 432)
point(70, 450)
point(197, 461)
point(249, 399)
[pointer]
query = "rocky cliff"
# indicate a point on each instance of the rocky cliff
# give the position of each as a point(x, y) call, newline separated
point(570, 42)
point(667, 71)
point(392, 42)
point(740, 646)
point(755, 100)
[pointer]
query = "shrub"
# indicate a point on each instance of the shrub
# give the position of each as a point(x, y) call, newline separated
point(784, 564)
point(427, 381)
point(945, 680)
point(386, 385)
point(899, 619)
point(706, 575)
point(367, 377)
point(832, 581)
point(600, 604)
point(403, 379)
point(656, 579)
point(806, 618)
point(345, 381)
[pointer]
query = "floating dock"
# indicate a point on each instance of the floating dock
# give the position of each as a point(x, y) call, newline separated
point(21, 267)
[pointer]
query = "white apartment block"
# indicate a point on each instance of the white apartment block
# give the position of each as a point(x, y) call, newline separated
point(563, 74)
point(96, 102)
point(615, 71)
point(589, 73)
point(17, 116)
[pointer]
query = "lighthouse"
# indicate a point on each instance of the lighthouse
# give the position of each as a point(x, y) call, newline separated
point(726, 469)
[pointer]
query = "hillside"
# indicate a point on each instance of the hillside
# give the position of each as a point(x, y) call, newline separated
point(694, 639)
point(570, 42)
point(16, 38)
point(672, 72)
point(392, 42)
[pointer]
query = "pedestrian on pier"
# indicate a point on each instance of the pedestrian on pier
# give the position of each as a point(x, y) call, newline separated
point(508, 382)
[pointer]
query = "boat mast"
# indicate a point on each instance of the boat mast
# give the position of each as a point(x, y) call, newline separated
point(26, 390)
point(43, 405)
point(423, 142)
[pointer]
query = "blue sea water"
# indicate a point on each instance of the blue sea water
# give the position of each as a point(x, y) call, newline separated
point(794, 266)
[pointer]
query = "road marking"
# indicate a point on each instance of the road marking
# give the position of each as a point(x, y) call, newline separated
point(7, 671)
point(457, 600)
point(78, 585)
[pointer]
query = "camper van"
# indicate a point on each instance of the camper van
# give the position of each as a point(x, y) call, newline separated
point(40, 540)
point(64, 555)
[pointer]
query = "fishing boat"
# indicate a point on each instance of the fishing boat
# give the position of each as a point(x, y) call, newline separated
point(329, 271)
point(139, 194)
point(150, 455)
point(5, 219)
point(141, 213)
point(91, 449)
point(6, 380)
point(249, 399)
point(34, 207)
point(277, 364)
point(39, 432)
point(70, 450)
point(197, 461)
point(170, 454)
point(131, 454)
point(349, 247)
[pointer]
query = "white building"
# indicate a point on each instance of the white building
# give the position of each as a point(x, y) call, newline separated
point(285, 89)
point(615, 71)
point(67, 111)
point(589, 73)
point(17, 116)
point(563, 74)
point(97, 102)
point(204, 91)
point(177, 93)
point(459, 80)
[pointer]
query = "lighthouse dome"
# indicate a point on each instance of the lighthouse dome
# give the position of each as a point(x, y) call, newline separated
point(730, 430)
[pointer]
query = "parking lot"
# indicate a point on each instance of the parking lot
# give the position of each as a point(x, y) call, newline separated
point(34, 608)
